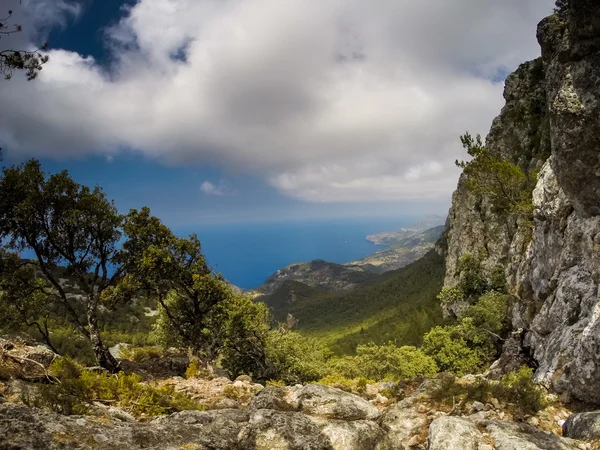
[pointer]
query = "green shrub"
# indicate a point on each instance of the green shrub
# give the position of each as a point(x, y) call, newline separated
point(451, 352)
point(385, 362)
point(519, 389)
point(78, 388)
point(141, 354)
point(357, 385)
point(296, 358)
point(516, 389)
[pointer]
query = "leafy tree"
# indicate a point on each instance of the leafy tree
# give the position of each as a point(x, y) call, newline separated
point(29, 61)
point(64, 224)
point(174, 271)
point(247, 336)
point(506, 186)
point(561, 7)
point(23, 297)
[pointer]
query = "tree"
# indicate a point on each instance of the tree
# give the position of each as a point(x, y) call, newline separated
point(505, 185)
point(73, 232)
point(23, 296)
point(30, 61)
point(247, 336)
point(174, 271)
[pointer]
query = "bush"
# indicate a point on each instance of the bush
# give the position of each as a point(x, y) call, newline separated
point(295, 358)
point(451, 352)
point(519, 389)
point(385, 362)
point(78, 388)
point(141, 354)
point(357, 385)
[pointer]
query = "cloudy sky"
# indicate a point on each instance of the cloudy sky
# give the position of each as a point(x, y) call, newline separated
point(221, 110)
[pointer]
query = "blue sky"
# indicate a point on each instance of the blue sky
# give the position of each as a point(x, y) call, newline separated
point(261, 110)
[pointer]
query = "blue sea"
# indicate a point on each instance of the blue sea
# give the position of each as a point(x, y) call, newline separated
point(248, 253)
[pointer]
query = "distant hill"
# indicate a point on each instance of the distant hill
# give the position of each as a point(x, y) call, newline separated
point(399, 306)
point(403, 247)
point(317, 274)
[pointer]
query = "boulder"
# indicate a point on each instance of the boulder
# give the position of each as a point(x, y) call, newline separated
point(329, 402)
point(585, 426)
point(316, 400)
point(514, 436)
point(402, 422)
point(282, 430)
point(453, 433)
point(24, 428)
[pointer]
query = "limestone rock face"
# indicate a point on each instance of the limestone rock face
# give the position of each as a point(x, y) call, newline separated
point(551, 123)
point(583, 426)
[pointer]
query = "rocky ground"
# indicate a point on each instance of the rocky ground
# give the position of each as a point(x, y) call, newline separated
point(244, 415)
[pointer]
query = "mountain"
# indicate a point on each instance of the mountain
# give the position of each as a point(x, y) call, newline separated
point(404, 246)
point(318, 274)
point(550, 126)
point(399, 306)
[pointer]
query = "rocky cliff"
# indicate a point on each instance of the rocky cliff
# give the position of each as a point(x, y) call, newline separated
point(551, 123)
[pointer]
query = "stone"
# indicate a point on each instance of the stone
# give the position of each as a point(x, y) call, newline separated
point(402, 422)
point(282, 430)
point(329, 402)
point(453, 433)
point(477, 406)
point(584, 426)
point(513, 436)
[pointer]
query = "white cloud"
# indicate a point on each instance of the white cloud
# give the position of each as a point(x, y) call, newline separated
point(209, 188)
point(329, 101)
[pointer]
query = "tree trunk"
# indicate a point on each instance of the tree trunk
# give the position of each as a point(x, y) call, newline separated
point(103, 357)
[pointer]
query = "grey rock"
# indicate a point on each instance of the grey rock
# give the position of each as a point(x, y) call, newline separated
point(512, 436)
point(585, 426)
point(329, 402)
point(279, 430)
point(23, 428)
point(453, 433)
point(403, 421)
point(315, 400)
point(551, 122)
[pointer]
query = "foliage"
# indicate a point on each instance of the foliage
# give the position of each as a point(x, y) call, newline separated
point(358, 385)
point(517, 389)
point(400, 306)
point(505, 185)
point(246, 337)
point(471, 344)
point(451, 351)
point(64, 224)
point(140, 354)
point(295, 358)
point(385, 362)
point(173, 270)
point(78, 388)
point(29, 61)
point(561, 7)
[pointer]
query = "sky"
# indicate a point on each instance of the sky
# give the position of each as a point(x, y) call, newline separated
point(214, 111)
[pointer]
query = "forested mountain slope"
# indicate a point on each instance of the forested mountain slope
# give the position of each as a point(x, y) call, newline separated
point(398, 306)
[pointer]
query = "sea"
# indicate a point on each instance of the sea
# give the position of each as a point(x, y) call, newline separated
point(248, 253)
